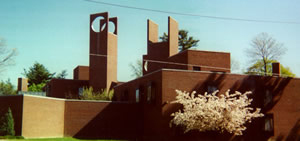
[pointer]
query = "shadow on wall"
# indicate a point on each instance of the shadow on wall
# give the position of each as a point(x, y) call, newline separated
point(257, 84)
point(260, 86)
point(116, 121)
point(213, 82)
point(15, 103)
point(294, 134)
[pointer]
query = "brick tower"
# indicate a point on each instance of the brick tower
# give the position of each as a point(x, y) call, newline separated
point(103, 53)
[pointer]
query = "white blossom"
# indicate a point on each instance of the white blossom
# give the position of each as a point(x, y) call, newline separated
point(209, 112)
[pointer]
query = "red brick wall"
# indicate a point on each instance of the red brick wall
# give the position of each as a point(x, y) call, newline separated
point(90, 119)
point(156, 116)
point(43, 117)
point(285, 104)
point(60, 88)
point(186, 60)
point(81, 73)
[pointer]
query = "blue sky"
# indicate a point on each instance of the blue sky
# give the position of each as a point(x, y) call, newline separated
point(56, 32)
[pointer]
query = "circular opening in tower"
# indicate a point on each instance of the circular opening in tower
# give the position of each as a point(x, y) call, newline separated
point(96, 24)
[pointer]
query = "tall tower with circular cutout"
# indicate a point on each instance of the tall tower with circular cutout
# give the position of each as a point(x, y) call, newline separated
point(103, 52)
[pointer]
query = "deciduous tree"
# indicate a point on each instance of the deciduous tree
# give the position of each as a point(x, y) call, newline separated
point(137, 69)
point(258, 68)
point(264, 47)
point(6, 55)
point(7, 88)
point(209, 112)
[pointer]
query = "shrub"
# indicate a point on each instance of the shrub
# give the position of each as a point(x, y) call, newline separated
point(36, 87)
point(208, 112)
point(7, 124)
point(89, 94)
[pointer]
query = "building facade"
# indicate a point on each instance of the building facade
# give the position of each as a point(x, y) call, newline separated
point(143, 105)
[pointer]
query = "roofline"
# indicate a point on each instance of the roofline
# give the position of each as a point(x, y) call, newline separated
point(164, 69)
point(73, 100)
point(139, 77)
point(208, 72)
point(205, 51)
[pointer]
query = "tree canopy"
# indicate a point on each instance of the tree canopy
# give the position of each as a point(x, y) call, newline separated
point(258, 68)
point(38, 74)
point(7, 88)
point(264, 47)
point(184, 40)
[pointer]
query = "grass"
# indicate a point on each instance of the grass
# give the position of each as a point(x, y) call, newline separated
point(55, 139)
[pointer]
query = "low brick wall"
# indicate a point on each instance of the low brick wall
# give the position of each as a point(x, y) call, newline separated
point(43, 117)
point(53, 117)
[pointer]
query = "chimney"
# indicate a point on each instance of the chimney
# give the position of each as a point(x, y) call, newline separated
point(276, 69)
point(22, 84)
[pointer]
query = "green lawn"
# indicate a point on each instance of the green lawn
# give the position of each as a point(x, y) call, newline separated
point(55, 139)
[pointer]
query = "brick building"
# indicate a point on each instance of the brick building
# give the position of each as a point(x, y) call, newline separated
point(143, 105)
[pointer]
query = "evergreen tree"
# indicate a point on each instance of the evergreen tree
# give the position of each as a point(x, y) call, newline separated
point(38, 74)
point(184, 40)
point(7, 124)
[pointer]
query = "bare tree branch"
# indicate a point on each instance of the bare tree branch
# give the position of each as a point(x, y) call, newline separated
point(6, 55)
point(265, 48)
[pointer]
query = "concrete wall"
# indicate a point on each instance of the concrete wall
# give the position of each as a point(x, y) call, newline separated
point(43, 117)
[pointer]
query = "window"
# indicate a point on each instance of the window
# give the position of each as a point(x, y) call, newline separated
point(195, 68)
point(137, 95)
point(211, 89)
point(269, 124)
point(151, 93)
point(80, 91)
point(268, 98)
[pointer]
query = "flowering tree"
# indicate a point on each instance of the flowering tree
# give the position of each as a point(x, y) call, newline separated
point(209, 112)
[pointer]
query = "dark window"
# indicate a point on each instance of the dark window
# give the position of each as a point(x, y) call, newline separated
point(137, 95)
point(195, 68)
point(80, 91)
point(269, 125)
point(268, 97)
point(211, 89)
point(151, 93)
